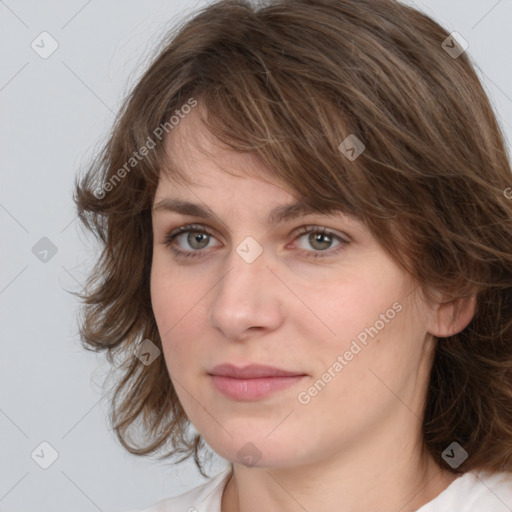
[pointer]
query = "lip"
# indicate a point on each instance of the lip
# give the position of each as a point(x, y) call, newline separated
point(252, 371)
point(252, 382)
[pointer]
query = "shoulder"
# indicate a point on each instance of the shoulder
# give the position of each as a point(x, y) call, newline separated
point(475, 491)
point(203, 498)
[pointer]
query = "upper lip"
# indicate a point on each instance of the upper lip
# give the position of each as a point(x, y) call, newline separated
point(252, 371)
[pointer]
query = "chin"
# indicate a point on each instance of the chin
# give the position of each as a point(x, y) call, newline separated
point(255, 451)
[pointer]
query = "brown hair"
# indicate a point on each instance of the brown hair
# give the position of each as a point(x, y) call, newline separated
point(288, 81)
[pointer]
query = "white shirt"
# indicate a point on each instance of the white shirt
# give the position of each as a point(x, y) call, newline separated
point(474, 491)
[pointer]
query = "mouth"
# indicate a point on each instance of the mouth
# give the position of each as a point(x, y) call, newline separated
point(252, 382)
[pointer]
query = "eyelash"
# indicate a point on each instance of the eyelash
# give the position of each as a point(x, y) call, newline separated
point(198, 228)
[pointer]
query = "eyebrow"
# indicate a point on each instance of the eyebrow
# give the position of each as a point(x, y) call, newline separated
point(278, 214)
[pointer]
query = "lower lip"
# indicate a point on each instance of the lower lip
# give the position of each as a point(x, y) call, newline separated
point(252, 389)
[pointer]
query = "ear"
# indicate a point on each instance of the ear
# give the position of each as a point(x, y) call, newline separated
point(451, 317)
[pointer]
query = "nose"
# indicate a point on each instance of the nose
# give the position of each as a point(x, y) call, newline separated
point(247, 299)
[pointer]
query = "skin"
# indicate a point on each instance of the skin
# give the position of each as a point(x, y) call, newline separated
point(357, 445)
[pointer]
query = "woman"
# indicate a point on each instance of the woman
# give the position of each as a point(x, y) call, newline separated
point(307, 257)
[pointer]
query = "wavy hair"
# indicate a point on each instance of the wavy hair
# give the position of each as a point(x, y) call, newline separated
point(289, 81)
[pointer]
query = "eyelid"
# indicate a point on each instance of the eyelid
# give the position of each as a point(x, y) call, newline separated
point(316, 228)
point(192, 227)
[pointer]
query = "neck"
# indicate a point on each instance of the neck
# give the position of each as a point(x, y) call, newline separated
point(401, 477)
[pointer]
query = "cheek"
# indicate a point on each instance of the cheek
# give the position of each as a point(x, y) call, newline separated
point(163, 300)
point(169, 295)
point(374, 324)
point(177, 309)
point(348, 308)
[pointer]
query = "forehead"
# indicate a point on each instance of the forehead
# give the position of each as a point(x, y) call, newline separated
point(215, 192)
point(195, 152)
point(218, 178)
point(217, 174)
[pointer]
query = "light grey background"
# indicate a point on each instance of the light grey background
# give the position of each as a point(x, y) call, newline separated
point(55, 113)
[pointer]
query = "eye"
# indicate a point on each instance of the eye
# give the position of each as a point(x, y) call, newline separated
point(197, 237)
point(321, 240)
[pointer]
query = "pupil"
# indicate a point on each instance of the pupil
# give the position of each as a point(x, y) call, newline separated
point(318, 238)
point(197, 238)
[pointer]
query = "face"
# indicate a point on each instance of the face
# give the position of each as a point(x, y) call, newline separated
point(327, 305)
